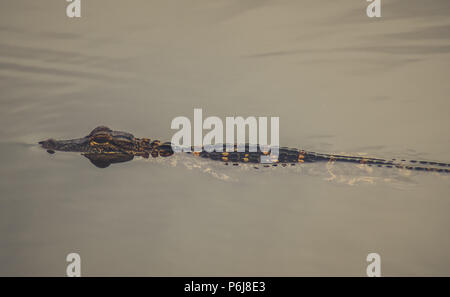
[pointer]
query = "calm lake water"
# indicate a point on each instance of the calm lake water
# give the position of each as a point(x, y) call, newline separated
point(339, 81)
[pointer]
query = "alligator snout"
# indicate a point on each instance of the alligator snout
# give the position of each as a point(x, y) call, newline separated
point(48, 144)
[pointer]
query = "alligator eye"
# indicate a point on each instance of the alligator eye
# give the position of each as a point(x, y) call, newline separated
point(101, 137)
point(122, 142)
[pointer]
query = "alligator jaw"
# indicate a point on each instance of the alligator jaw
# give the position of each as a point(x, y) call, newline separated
point(72, 145)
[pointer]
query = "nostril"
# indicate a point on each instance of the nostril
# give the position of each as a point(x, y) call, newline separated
point(48, 143)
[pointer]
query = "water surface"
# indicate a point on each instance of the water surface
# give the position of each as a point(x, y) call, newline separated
point(339, 81)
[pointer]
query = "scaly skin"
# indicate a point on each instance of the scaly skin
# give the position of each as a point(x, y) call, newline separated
point(104, 146)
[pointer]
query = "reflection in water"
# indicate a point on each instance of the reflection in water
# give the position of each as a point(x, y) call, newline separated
point(104, 160)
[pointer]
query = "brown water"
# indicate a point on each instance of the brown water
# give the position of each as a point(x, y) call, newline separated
point(339, 81)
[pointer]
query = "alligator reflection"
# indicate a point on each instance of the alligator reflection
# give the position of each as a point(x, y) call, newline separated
point(104, 160)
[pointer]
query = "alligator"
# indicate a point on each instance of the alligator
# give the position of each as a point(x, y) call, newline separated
point(104, 146)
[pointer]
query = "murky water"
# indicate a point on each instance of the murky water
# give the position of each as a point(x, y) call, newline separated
point(339, 81)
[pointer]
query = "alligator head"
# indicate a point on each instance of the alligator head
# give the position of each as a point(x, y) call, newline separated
point(101, 139)
point(102, 146)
